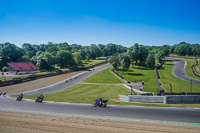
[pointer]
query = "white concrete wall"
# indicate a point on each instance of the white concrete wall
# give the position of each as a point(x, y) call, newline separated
point(160, 99)
point(142, 99)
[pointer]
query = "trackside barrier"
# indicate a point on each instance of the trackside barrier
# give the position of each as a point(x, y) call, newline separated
point(182, 99)
point(161, 99)
point(142, 99)
point(135, 90)
point(120, 76)
point(194, 70)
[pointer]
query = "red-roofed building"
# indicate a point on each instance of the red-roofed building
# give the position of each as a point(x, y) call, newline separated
point(22, 66)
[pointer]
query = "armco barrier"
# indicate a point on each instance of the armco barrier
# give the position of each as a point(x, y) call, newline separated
point(135, 90)
point(161, 99)
point(120, 76)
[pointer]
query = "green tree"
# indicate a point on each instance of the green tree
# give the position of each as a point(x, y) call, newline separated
point(143, 53)
point(45, 61)
point(26, 58)
point(160, 55)
point(29, 49)
point(124, 61)
point(115, 61)
point(77, 58)
point(4, 69)
point(150, 61)
point(64, 59)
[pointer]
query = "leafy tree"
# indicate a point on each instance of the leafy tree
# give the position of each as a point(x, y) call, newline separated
point(43, 47)
point(111, 49)
point(29, 49)
point(64, 46)
point(183, 49)
point(150, 61)
point(77, 58)
point(45, 61)
point(64, 59)
point(4, 69)
point(134, 53)
point(160, 55)
point(124, 61)
point(83, 54)
point(26, 58)
point(52, 48)
point(143, 53)
point(94, 51)
point(115, 61)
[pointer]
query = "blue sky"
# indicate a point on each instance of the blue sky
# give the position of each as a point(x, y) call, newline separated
point(85, 22)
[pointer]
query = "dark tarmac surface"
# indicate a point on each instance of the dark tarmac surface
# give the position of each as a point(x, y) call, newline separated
point(135, 112)
point(179, 70)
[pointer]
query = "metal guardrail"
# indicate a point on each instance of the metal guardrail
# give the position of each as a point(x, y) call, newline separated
point(138, 91)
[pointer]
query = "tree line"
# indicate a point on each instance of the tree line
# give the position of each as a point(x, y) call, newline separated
point(45, 56)
point(152, 56)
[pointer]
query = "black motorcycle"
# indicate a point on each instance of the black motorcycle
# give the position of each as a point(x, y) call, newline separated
point(19, 97)
point(39, 99)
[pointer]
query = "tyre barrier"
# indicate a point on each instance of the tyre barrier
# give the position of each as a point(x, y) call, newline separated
point(194, 70)
point(162, 89)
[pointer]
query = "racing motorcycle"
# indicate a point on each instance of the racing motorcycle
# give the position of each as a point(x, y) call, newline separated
point(100, 103)
point(39, 99)
point(19, 97)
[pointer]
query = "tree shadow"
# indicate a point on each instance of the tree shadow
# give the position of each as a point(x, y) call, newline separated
point(135, 74)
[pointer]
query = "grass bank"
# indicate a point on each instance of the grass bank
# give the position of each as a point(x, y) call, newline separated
point(188, 68)
point(141, 73)
point(104, 76)
point(178, 85)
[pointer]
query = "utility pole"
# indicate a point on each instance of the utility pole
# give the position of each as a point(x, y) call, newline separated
point(191, 87)
point(170, 89)
point(180, 86)
point(131, 90)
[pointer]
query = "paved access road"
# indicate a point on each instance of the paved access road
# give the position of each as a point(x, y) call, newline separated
point(179, 70)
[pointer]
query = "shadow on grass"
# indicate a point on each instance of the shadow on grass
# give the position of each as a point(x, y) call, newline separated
point(135, 74)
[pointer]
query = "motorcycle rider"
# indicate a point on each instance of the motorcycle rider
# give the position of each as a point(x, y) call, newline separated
point(100, 101)
point(41, 97)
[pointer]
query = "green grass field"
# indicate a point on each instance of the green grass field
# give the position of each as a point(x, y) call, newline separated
point(105, 76)
point(178, 85)
point(10, 78)
point(84, 93)
point(141, 73)
point(188, 69)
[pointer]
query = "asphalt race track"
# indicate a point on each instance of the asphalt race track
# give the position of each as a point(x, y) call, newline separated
point(63, 84)
point(186, 115)
point(179, 70)
point(135, 112)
